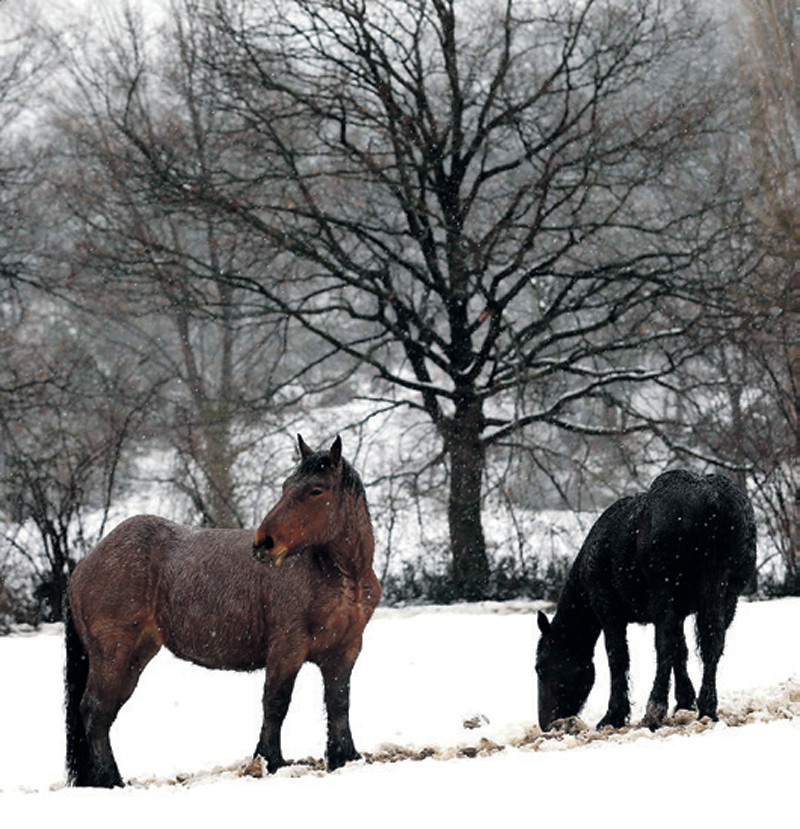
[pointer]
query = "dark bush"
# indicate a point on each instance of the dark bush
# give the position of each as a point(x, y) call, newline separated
point(421, 582)
point(774, 588)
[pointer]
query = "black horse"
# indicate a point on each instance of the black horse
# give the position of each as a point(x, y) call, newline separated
point(686, 546)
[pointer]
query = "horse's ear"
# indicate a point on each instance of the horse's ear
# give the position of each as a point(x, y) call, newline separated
point(304, 450)
point(544, 623)
point(336, 451)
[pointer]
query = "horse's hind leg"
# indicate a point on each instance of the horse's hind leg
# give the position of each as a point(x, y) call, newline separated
point(113, 674)
point(712, 622)
point(336, 671)
point(685, 698)
point(669, 639)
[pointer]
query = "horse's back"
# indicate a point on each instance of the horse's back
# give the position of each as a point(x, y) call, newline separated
point(684, 536)
point(217, 604)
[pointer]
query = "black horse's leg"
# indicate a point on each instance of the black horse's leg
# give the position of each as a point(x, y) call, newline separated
point(712, 622)
point(336, 671)
point(619, 707)
point(684, 690)
point(278, 688)
point(669, 635)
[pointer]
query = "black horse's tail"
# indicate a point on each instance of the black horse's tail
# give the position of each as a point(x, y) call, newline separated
point(76, 673)
point(735, 532)
point(730, 563)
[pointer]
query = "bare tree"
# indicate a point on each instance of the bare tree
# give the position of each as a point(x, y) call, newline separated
point(149, 270)
point(64, 421)
point(506, 207)
point(740, 401)
point(769, 58)
point(23, 59)
point(503, 211)
point(507, 212)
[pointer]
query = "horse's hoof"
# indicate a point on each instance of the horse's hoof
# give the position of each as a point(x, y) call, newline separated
point(707, 706)
point(336, 761)
point(654, 715)
point(567, 725)
point(98, 779)
point(272, 764)
point(255, 768)
point(612, 721)
point(101, 783)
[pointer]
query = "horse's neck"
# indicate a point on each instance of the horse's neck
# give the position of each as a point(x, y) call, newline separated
point(353, 560)
point(352, 554)
point(575, 623)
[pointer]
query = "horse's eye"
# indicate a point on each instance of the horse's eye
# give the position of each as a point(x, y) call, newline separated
point(316, 492)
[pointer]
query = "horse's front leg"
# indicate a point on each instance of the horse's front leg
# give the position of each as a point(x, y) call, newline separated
point(336, 671)
point(278, 687)
point(619, 707)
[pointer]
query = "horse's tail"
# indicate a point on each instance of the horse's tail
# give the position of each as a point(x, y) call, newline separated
point(731, 559)
point(735, 532)
point(76, 674)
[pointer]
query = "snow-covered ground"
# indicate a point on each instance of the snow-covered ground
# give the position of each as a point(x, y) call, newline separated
point(423, 672)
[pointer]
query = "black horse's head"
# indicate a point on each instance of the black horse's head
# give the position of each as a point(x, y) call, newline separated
point(565, 679)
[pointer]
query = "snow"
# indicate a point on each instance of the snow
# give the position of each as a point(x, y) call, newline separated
point(423, 673)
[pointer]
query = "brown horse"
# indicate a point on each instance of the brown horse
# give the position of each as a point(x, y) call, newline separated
point(208, 596)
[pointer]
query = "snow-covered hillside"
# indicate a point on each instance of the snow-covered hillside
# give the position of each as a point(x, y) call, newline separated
point(423, 674)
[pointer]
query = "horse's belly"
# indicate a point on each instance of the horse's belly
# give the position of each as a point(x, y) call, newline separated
point(224, 657)
point(225, 646)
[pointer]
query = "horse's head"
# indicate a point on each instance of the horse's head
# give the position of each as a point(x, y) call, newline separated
point(308, 512)
point(564, 679)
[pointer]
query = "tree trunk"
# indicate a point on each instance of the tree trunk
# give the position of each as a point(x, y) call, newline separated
point(208, 435)
point(217, 458)
point(467, 543)
point(793, 554)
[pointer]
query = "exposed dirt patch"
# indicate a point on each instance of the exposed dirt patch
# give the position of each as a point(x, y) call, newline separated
point(782, 702)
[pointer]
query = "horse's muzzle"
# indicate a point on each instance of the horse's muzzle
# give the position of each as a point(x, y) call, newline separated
point(267, 551)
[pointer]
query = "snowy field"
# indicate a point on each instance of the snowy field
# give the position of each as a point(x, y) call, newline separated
point(186, 733)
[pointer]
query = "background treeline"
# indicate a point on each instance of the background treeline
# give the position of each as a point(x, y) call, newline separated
point(522, 255)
